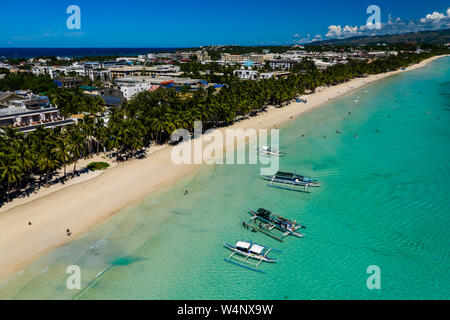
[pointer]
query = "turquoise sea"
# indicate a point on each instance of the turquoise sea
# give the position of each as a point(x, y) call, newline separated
point(384, 200)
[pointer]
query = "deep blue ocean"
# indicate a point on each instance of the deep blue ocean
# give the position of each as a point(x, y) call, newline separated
point(77, 52)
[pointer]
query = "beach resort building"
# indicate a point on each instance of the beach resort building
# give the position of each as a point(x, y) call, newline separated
point(92, 70)
point(248, 74)
point(131, 86)
point(43, 70)
point(281, 64)
point(137, 71)
point(202, 56)
point(6, 97)
point(69, 82)
point(321, 65)
point(227, 58)
point(293, 55)
point(26, 114)
point(25, 120)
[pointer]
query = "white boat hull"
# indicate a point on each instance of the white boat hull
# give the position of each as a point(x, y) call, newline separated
point(249, 254)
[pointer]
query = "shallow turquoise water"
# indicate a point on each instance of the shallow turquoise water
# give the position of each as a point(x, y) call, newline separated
point(384, 201)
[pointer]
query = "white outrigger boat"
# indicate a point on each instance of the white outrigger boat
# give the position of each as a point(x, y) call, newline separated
point(288, 180)
point(271, 221)
point(251, 250)
point(270, 152)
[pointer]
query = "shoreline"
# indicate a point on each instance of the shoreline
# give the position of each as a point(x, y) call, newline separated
point(82, 205)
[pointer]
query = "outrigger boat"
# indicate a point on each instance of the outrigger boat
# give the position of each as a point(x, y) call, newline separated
point(270, 152)
point(290, 180)
point(251, 250)
point(272, 221)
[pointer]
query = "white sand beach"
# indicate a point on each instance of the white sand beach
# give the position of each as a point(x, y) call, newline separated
point(83, 203)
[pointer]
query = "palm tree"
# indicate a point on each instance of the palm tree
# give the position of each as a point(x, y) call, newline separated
point(48, 162)
point(9, 172)
point(100, 133)
point(62, 151)
point(76, 146)
point(88, 128)
point(23, 158)
point(157, 125)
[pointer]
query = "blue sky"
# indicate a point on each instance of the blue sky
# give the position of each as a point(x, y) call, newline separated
point(149, 23)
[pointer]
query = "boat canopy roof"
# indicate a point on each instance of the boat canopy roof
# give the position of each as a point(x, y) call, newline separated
point(263, 213)
point(288, 175)
point(243, 245)
point(256, 249)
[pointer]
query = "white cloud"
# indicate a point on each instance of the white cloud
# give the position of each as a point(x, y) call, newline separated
point(334, 31)
point(435, 16)
point(432, 21)
point(350, 30)
point(338, 32)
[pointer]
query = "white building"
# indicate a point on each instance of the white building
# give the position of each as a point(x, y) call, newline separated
point(246, 74)
point(377, 54)
point(42, 70)
point(322, 64)
point(293, 55)
point(131, 86)
point(256, 75)
point(55, 72)
point(135, 71)
point(131, 89)
point(266, 75)
point(132, 59)
point(281, 64)
point(4, 66)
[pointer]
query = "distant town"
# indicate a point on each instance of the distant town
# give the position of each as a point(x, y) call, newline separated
point(122, 78)
point(56, 111)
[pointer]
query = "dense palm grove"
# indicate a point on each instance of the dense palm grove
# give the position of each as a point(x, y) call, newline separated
point(73, 101)
point(30, 161)
point(37, 84)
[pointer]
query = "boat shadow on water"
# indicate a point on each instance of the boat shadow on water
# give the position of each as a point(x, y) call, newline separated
point(289, 188)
